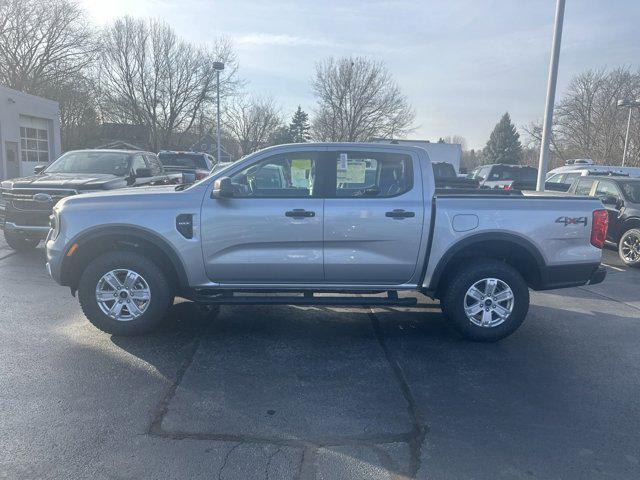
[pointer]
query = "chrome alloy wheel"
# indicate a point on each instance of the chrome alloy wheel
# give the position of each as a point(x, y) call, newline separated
point(488, 302)
point(123, 294)
point(630, 248)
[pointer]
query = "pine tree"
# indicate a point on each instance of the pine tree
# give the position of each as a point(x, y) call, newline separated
point(504, 143)
point(299, 127)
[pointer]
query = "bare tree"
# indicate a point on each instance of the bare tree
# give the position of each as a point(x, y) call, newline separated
point(587, 121)
point(150, 76)
point(42, 43)
point(253, 122)
point(357, 100)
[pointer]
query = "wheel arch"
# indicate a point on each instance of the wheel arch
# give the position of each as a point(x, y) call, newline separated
point(628, 224)
point(98, 240)
point(513, 249)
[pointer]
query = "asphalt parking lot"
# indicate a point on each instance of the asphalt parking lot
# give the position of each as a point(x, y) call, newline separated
point(285, 392)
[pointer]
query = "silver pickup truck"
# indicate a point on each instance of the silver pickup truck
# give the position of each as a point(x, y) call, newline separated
point(294, 224)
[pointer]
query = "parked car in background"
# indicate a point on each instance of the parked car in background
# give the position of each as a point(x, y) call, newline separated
point(26, 203)
point(193, 166)
point(445, 177)
point(293, 221)
point(561, 182)
point(506, 177)
point(631, 171)
point(621, 197)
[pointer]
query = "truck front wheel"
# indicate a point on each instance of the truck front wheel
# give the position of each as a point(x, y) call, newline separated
point(124, 293)
point(486, 300)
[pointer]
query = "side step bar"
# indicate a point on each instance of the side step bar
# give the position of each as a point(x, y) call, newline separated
point(306, 299)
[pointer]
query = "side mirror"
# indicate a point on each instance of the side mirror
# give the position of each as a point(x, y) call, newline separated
point(38, 169)
point(143, 173)
point(610, 200)
point(222, 188)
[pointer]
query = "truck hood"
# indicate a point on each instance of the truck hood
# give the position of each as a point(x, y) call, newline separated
point(77, 181)
point(130, 199)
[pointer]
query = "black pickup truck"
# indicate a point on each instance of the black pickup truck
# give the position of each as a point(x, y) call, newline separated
point(445, 177)
point(26, 203)
point(506, 177)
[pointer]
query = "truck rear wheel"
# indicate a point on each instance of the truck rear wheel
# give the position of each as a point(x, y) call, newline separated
point(486, 300)
point(124, 293)
point(20, 243)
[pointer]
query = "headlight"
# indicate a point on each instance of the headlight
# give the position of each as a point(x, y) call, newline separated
point(54, 223)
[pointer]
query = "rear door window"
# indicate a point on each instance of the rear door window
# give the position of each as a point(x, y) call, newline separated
point(605, 188)
point(371, 175)
point(584, 186)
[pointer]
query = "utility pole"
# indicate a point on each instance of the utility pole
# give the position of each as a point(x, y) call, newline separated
point(629, 104)
point(551, 96)
point(218, 66)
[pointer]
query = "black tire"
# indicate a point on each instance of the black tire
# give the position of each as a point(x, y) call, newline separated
point(20, 243)
point(630, 236)
point(461, 281)
point(159, 286)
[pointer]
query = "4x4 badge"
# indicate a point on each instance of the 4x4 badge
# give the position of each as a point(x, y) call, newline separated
point(572, 221)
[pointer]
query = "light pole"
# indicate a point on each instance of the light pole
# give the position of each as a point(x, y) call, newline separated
point(551, 96)
point(218, 67)
point(628, 104)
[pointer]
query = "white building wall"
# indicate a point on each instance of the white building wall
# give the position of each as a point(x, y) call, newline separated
point(20, 109)
point(438, 152)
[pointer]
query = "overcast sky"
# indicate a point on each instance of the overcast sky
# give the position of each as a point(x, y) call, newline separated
point(461, 63)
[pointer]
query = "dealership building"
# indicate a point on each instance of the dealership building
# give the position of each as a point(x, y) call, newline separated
point(29, 132)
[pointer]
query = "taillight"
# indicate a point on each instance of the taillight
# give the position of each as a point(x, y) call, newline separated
point(599, 228)
point(507, 187)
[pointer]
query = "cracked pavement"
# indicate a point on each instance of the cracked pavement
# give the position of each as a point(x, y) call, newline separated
point(318, 393)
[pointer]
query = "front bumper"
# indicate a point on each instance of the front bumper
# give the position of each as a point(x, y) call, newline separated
point(54, 261)
point(27, 231)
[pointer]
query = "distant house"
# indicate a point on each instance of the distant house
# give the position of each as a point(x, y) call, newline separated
point(438, 152)
point(122, 136)
point(29, 132)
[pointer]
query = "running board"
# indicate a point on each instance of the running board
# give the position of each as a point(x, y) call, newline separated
point(306, 299)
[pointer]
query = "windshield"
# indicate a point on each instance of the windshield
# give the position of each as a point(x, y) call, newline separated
point(631, 191)
point(111, 163)
point(185, 160)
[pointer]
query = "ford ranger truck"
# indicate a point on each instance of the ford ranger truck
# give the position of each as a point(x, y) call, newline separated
point(290, 222)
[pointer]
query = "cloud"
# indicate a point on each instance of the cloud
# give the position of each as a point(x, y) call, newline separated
point(269, 39)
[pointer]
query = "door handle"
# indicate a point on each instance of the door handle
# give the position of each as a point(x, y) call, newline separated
point(299, 213)
point(399, 214)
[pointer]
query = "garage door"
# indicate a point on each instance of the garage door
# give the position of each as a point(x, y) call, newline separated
point(34, 143)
